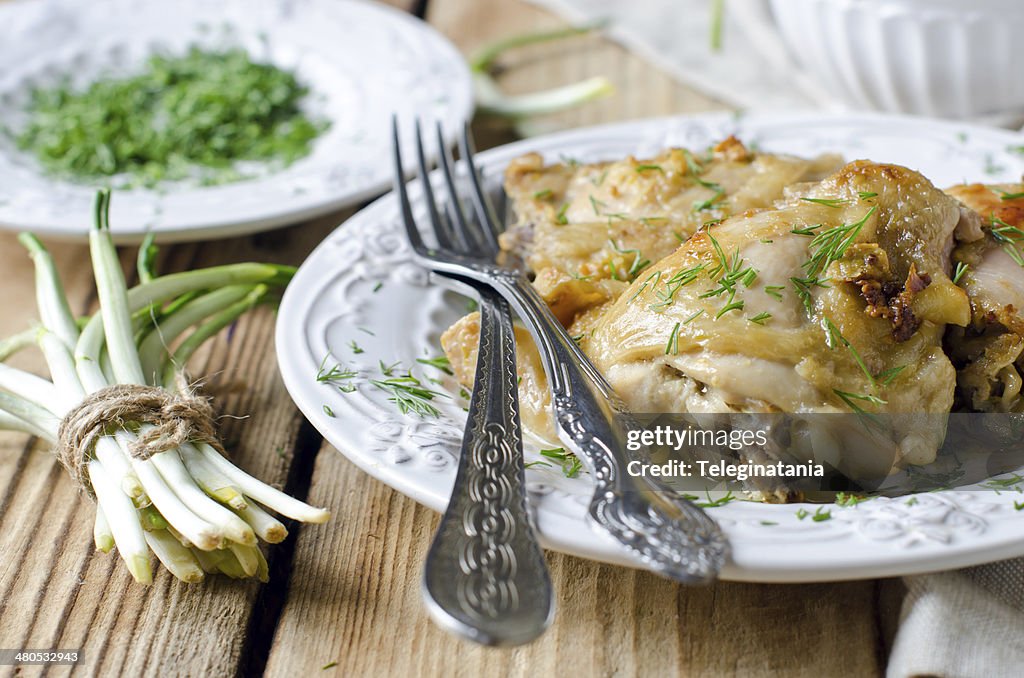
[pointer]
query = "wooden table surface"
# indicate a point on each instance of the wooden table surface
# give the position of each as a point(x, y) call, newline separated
point(344, 598)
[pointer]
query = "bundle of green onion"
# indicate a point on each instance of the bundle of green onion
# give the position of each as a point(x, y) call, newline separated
point(192, 507)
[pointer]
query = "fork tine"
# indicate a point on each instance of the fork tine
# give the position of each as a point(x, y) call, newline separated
point(408, 221)
point(442, 228)
point(458, 217)
point(481, 203)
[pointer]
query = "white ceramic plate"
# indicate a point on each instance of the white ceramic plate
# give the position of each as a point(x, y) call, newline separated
point(362, 62)
point(361, 286)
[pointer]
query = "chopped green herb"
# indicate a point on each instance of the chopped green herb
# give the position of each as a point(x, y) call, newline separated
point(768, 522)
point(715, 503)
point(329, 665)
point(761, 318)
point(197, 116)
point(328, 411)
point(376, 288)
point(821, 515)
point(774, 291)
point(833, 337)
point(570, 463)
point(693, 317)
point(731, 306)
point(806, 230)
point(801, 514)
point(560, 218)
point(961, 268)
point(543, 195)
point(440, 363)
point(885, 378)
point(536, 463)
point(356, 348)
point(648, 168)
point(639, 262)
point(851, 398)
point(409, 394)
point(363, 329)
point(827, 202)
point(845, 499)
point(1018, 505)
point(673, 341)
point(866, 195)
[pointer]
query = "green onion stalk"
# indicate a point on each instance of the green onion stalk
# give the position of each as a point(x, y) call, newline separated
point(190, 507)
point(491, 100)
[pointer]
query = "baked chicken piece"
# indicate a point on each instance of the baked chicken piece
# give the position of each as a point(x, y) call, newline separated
point(836, 300)
point(588, 231)
point(989, 354)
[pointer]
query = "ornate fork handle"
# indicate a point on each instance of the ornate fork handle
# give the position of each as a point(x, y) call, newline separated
point(485, 575)
point(667, 532)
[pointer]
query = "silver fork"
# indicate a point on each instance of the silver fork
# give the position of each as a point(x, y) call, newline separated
point(485, 576)
point(660, 526)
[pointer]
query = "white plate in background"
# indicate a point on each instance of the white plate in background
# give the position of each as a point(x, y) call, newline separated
point(362, 62)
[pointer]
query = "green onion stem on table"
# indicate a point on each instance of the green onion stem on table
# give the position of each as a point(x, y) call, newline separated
point(491, 100)
point(190, 506)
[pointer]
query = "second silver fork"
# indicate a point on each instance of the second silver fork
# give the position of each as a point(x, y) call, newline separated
point(485, 576)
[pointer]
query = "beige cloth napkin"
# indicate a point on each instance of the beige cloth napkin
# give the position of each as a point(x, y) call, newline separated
point(963, 624)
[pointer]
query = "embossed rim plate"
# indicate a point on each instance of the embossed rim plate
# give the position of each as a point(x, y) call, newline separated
point(362, 61)
point(361, 280)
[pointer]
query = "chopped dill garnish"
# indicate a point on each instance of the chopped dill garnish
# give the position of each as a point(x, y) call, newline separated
point(761, 318)
point(356, 348)
point(821, 515)
point(656, 276)
point(673, 341)
point(336, 376)
point(388, 370)
point(801, 514)
point(701, 205)
point(679, 236)
point(363, 329)
point(439, 363)
point(693, 317)
point(674, 284)
point(328, 411)
point(408, 393)
point(833, 337)
point(648, 168)
point(543, 195)
point(806, 230)
point(766, 241)
point(531, 464)
point(851, 398)
point(827, 202)
point(560, 218)
point(650, 221)
point(596, 204)
point(774, 291)
point(886, 377)
point(731, 306)
point(376, 288)
point(715, 503)
point(194, 116)
point(961, 268)
point(867, 195)
point(846, 499)
point(570, 463)
point(639, 262)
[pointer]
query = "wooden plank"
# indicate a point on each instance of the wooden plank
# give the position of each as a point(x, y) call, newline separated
point(354, 595)
point(54, 591)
